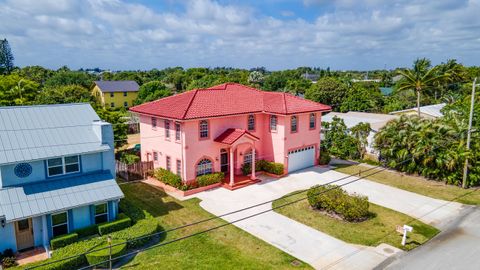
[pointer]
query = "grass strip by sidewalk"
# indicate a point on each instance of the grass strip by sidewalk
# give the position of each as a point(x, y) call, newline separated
point(372, 232)
point(416, 184)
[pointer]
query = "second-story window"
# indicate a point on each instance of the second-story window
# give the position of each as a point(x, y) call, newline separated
point(203, 129)
point(112, 94)
point(251, 122)
point(125, 94)
point(293, 124)
point(169, 165)
point(313, 121)
point(63, 165)
point(167, 129)
point(154, 122)
point(273, 122)
point(177, 131)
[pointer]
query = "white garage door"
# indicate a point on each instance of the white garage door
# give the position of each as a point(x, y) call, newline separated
point(301, 158)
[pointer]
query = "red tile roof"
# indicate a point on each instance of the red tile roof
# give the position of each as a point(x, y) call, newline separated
point(231, 135)
point(227, 99)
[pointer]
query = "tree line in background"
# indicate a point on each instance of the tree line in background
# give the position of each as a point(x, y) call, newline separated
point(422, 84)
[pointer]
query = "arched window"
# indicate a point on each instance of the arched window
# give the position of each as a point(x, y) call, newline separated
point(204, 166)
point(251, 122)
point(313, 120)
point(293, 124)
point(273, 122)
point(203, 129)
point(247, 157)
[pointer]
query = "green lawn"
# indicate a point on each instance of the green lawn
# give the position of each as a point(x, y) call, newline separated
point(228, 247)
point(416, 184)
point(372, 232)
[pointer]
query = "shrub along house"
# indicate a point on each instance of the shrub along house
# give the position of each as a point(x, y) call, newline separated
point(57, 173)
point(226, 126)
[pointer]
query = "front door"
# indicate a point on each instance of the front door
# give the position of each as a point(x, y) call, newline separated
point(24, 234)
point(224, 161)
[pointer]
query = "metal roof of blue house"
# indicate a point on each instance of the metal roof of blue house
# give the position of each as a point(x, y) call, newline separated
point(117, 86)
point(37, 132)
point(57, 195)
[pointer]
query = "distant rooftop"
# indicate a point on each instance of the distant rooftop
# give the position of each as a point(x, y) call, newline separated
point(351, 119)
point(386, 91)
point(431, 110)
point(117, 86)
point(45, 131)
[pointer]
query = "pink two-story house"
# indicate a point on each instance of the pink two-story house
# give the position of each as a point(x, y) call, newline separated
point(221, 128)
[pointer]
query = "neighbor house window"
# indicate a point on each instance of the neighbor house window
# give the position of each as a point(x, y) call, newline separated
point(169, 165)
point(293, 124)
point(167, 128)
point(204, 167)
point(125, 104)
point(251, 122)
point(155, 156)
point(179, 167)
point(125, 94)
point(177, 131)
point(101, 213)
point(313, 121)
point(63, 165)
point(203, 129)
point(59, 224)
point(273, 122)
point(112, 104)
point(154, 122)
point(111, 94)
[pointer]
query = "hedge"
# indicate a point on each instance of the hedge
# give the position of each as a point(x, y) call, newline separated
point(87, 231)
point(168, 177)
point(336, 200)
point(324, 158)
point(95, 258)
point(142, 228)
point(272, 167)
point(114, 226)
point(64, 240)
point(210, 179)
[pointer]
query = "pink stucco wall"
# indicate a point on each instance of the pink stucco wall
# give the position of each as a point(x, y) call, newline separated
point(272, 146)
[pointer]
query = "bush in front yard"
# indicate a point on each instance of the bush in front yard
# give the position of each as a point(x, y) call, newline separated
point(87, 231)
point(63, 240)
point(142, 228)
point(114, 226)
point(210, 179)
point(336, 200)
point(95, 258)
point(324, 158)
point(168, 177)
point(272, 167)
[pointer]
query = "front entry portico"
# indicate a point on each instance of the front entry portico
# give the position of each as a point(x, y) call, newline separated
point(232, 140)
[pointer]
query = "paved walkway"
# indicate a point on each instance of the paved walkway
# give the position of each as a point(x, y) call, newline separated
point(314, 247)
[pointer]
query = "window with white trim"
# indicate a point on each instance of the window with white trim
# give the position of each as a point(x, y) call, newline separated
point(63, 165)
point(101, 213)
point(293, 124)
point(154, 122)
point(273, 122)
point(204, 166)
point(247, 157)
point(179, 167)
point(167, 128)
point(251, 122)
point(177, 131)
point(313, 120)
point(59, 224)
point(203, 129)
point(168, 164)
point(155, 156)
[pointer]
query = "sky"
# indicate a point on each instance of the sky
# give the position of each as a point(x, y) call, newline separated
point(276, 34)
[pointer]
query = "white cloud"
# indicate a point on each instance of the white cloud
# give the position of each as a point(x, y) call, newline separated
point(120, 35)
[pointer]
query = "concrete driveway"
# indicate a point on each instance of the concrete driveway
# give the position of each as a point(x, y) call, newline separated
point(309, 245)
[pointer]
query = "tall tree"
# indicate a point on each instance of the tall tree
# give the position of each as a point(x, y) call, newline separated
point(420, 78)
point(6, 57)
point(327, 90)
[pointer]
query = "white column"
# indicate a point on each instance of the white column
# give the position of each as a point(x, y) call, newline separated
point(253, 162)
point(232, 166)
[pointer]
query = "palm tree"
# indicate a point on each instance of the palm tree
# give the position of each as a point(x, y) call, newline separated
point(420, 78)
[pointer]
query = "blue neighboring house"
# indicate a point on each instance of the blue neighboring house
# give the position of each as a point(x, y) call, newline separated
point(57, 173)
